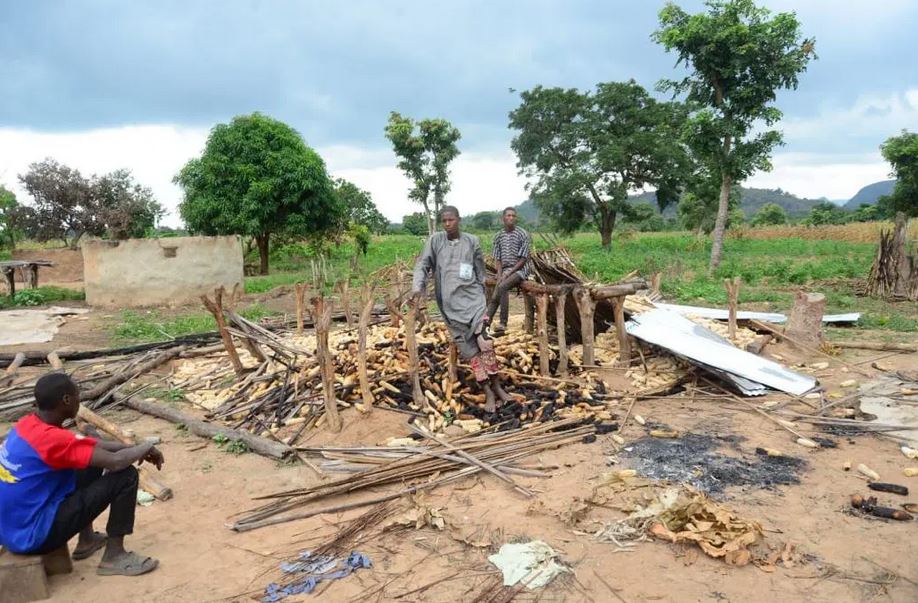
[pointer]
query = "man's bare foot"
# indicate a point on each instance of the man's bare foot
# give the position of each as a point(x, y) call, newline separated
point(495, 386)
point(489, 398)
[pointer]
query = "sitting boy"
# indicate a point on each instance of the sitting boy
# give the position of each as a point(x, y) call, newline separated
point(52, 486)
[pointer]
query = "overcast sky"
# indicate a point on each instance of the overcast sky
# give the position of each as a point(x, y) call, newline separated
point(101, 85)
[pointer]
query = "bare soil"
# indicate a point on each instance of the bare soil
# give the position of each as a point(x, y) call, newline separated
point(848, 557)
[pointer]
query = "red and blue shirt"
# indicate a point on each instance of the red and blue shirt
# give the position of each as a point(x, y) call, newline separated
point(37, 471)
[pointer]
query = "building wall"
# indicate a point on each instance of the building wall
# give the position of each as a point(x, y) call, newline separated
point(156, 272)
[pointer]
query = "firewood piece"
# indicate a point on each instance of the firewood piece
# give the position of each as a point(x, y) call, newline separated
point(624, 341)
point(894, 273)
point(363, 328)
point(55, 361)
point(215, 307)
point(758, 344)
point(542, 333)
point(891, 488)
point(411, 343)
point(10, 373)
point(560, 300)
point(804, 325)
point(148, 480)
point(587, 308)
point(876, 345)
point(106, 386)
point(655, 281)
point(255, 443)
point(733, 288)
point(322, 311)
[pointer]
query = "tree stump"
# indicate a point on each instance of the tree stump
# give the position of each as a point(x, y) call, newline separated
point(804, 325)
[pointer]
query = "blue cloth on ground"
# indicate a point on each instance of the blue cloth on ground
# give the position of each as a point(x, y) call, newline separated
point(311, 570)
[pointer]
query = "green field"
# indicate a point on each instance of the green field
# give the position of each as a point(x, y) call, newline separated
point(771, 270)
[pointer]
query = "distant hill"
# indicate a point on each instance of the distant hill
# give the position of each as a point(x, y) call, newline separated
point(870, 194)
point(751, 201)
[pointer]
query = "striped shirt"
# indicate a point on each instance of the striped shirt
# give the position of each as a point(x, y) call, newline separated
point(510, 247)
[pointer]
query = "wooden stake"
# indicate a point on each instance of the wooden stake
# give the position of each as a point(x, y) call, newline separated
point(411, 342)
point(216, 308)
point(300, 298)
point(732, 300)
point(655, 280)
point(529, 316)
point(560, 300)
point(344, 289)
point(363, 328)
point(542, 333)
point(55, 361)
point(624, 341)
point(587, 308)
point(322, 311)
point(453, 366)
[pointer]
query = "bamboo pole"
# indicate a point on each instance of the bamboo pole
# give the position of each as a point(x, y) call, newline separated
point(322, 311)
point(216, 308)
point(560, 300)
point(363, 328)
point(542, 331)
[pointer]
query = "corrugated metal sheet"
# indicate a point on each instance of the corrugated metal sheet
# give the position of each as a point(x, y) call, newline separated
point(689, 340)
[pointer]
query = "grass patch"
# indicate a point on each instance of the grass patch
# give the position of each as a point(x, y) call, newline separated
point(40, 296)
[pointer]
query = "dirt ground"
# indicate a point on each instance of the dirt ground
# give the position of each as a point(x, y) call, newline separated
point(846, 557)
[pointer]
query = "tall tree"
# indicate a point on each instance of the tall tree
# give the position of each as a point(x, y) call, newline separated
point(770, 214)
point(8, 209)
point(126, 208)
point(258, 178)
point(425, 149)
point(68, 206)
point(584, 152)
point(359, 207)
point(739, 56)
point(902, 154)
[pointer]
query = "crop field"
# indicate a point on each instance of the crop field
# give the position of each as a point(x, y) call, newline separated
point(771, 269)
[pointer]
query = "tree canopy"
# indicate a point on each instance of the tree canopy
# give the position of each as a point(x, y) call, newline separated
point(67, 206)
point(771, 214)
point(584, 152)
point(11, 216)
point(258, 178)
point(425, 149)
point(359, 208)
point(902, 154)
point(738, 56)
point(416, 223)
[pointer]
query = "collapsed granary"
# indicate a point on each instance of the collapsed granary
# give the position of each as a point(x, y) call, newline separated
point(579, 365)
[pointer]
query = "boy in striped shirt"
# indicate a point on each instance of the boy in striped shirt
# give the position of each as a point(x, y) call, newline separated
point(511, 254)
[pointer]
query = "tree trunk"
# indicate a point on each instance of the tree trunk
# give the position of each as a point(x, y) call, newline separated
point(720, 226)
point(606, 226)
point(262, 241)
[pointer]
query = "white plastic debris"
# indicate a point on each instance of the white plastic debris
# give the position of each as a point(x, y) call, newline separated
point(144, 498)
point(532, 563)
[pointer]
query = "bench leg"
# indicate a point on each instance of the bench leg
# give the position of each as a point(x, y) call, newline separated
point(58, 561)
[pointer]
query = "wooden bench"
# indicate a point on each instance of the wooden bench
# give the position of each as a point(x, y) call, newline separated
point(9, 268)
point(24, 578)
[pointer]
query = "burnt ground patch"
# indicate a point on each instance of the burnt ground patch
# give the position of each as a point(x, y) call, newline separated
point(696, 460)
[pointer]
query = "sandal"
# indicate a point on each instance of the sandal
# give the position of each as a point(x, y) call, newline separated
point(80, 554)
point(129, 564)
